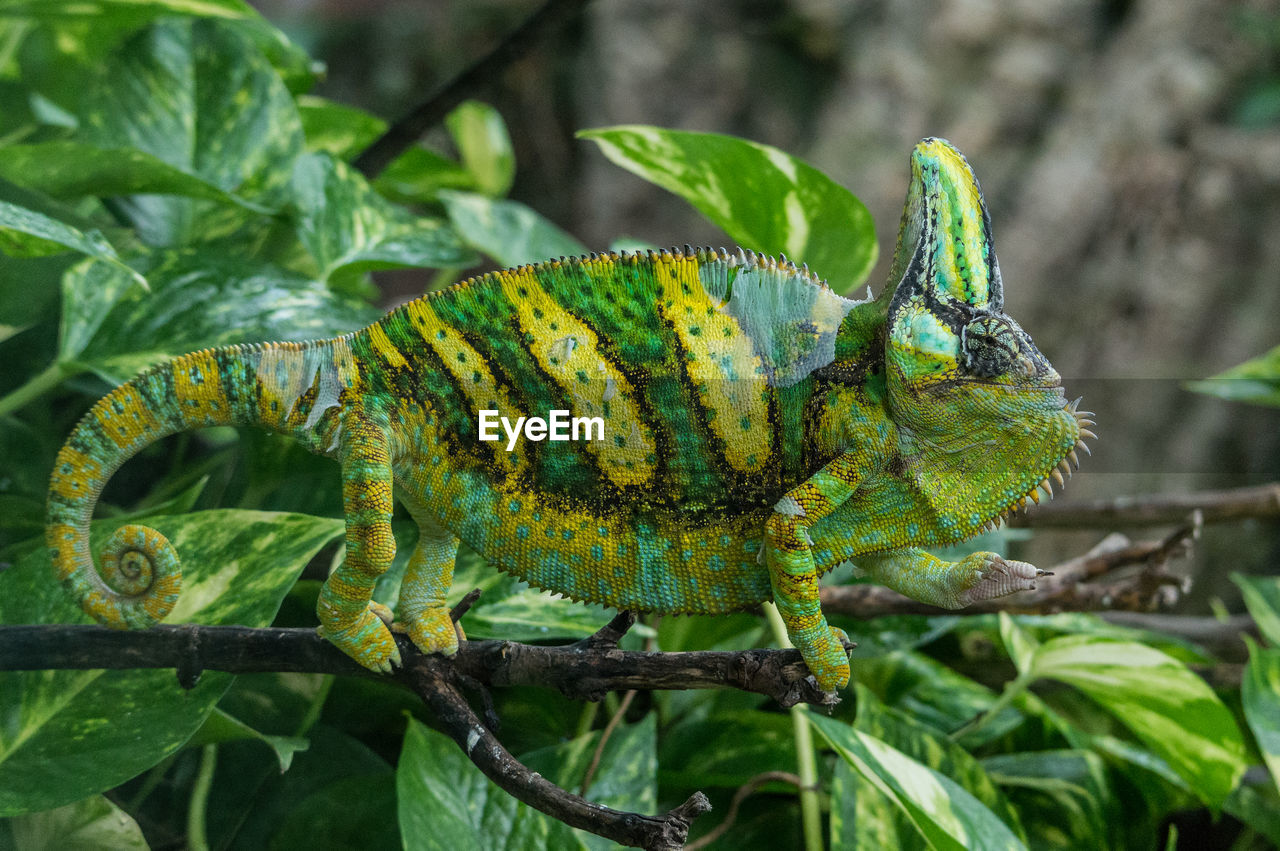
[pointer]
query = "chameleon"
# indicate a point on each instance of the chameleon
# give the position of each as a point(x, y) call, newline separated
point(759, 430)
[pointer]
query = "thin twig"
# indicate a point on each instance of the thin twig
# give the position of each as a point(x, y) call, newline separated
point(401, 135)
point(1156, 509)
point(614, 721)
point(744, 790)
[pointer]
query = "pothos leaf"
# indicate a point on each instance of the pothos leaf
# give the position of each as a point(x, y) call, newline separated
point(199, 96)
point(941, 810)
point(765, 199)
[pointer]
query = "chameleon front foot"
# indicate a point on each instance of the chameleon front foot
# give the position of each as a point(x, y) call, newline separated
point(826, 657)
point(992, 576)
point(367, 639)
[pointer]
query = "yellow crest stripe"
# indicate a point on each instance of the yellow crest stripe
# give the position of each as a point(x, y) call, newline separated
point(727, 373)
point(385, 348)
point(567, 349)
point(471, 372)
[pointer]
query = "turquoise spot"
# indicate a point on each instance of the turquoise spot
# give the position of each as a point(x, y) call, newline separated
point(602, 531)
point(597, 552)
point(567, 534)
point(514, 506)
point(522, 532)
point(715, 563)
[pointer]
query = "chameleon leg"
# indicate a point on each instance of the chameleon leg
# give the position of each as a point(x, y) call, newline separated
point(346, 616)
point(949, 584)
point(794, 575)
point(427, 578)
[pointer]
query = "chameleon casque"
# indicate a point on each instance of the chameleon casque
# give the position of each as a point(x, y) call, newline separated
point(759, 430)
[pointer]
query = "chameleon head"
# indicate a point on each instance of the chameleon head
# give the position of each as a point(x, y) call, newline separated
point(983, 419)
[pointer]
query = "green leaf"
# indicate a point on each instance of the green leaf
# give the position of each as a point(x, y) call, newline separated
point(1022, 647)
point(765, 199)
point(26, 233)
point(199, 96)
point(1256, 381)
point(106, 8)
point(941, 810)
point(198, 299)
point(1262, 599)
point(337, 129)
point(1063, 795)
point(86, 825)
point(1258, 807)
point(484, 145)
point(222, 727)
point(726, 748)
point(1260, 695)
point(350, 812)
point(74, 733)
point(863, 819)
point(1170, 709)
point(930, 747)
point(68, 169)
point(444, 802)
point(934, 694)
point(508, 231)
point(347, 226)
point(339, 794)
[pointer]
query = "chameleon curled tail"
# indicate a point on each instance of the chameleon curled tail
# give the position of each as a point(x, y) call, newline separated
point(137, 582)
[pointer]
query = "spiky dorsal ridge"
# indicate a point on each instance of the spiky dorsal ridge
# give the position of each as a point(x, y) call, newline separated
point(740, 257)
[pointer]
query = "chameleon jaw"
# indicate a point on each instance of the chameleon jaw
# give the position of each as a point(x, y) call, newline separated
point(1064, 467)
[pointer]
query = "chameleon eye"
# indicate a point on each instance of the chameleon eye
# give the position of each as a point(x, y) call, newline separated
point(989, 347)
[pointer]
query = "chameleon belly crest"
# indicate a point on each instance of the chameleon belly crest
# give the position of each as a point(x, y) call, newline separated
point(758, 430)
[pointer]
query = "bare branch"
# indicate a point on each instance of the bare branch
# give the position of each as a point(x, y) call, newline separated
point(400, 136)
point(1156, 509)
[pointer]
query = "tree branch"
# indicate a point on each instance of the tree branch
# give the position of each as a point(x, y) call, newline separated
point(577, 672)
point(1156, 509)
point(432, 680)
point(401, 135)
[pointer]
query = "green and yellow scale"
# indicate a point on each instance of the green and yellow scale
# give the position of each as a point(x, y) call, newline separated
point(759, 429)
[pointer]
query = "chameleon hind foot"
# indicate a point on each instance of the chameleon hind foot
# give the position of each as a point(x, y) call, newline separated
point(367, 639)
point(826, 657)
point(432, 630)
point(993, 576)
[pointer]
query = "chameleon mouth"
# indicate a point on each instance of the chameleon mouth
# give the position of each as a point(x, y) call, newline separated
point(1059, 472)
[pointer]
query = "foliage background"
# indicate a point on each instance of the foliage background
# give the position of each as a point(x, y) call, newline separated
point(1131, 157)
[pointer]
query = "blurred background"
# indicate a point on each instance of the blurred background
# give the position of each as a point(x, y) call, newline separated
point(1129, 153)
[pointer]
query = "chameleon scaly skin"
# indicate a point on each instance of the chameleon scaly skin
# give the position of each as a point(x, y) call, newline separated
point(759, 430)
